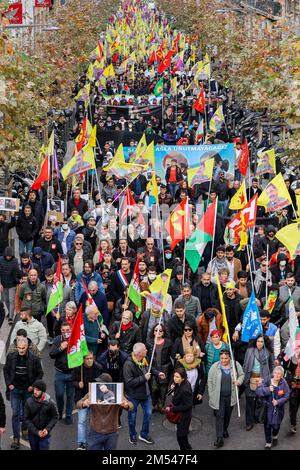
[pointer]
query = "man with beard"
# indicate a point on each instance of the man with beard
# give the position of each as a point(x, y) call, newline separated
point(112, 361)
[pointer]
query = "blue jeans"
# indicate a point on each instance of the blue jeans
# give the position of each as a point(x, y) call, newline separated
point(173, 188)
point(64, 382)
point(39, 443)
point(147, 411)
point(97, 441)
point(271, 430)
point(83, 420)
point(224, 205)
point(17, 401)
point(25, 247)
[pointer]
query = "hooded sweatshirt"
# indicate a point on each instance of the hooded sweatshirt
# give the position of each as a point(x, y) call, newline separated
point(9, 269)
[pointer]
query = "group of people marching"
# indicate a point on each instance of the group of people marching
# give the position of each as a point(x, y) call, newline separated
point(176, 343)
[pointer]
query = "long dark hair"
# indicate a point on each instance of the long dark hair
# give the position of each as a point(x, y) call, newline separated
point(182, 372)
point(267, 342)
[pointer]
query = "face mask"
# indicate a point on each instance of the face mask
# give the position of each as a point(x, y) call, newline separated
point(67, 335)
point(64, 226)
point(151, 277)
point(282, 263)
point(168, 255)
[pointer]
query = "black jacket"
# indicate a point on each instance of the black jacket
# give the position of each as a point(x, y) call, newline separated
point(61, 357)
point(166, 365)
point(135, 381)
point(213, 294)
point(82, 206)
point(26, 227)
point(2, 412)
point(175, 326)
point(34, 367)
point(128, 338)
point(145, 322)
point(89, 375)
point(2, 313)
point(9, 272)
point(113, 367)
point(183, 401)
point(200, 383)
point(37, 212)
point(276, 273)
point(179, 176)
point(175, 288)
point(116, 286)
point(4, 231)
point(87, 255)
point(52, 246)
point(40, 414)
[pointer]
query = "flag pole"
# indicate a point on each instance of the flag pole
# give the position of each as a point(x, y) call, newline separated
point(161, 234)
point(155, 341)
point(250, 268)
point(185, 228)
point(267, 272)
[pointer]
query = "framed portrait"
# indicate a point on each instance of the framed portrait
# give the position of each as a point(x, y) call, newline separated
point(9, 204)
point(105, 393)
point(55, 205)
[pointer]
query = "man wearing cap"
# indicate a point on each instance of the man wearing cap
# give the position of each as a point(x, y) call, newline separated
point(40, 416)
point(223, 393)
point(42, 261)
point(175, 285)
point(9, 279)
point(232, 306)
point(103, 434)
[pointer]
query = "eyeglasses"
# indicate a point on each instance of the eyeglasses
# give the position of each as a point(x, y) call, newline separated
point(77, 243)
point(264, 265)
point(158, 331)
point(188, 329)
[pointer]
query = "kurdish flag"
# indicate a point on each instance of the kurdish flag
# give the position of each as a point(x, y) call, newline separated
point(204, 233)
point(159, 87)
point(134, 292)
point(57, 292)
point(77, 347)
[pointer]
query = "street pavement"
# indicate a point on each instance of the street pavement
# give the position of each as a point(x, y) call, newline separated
point(201, 437)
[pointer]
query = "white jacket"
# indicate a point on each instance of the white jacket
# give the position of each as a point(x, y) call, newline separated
point(35, 331)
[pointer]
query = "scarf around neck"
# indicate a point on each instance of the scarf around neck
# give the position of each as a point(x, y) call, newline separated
point(142, 364)
point(191, 366)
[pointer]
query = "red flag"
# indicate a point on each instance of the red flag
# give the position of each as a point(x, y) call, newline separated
point(151, 58)
point(81, 138)
point(42, 3)
point(178, 224)
point(200, 103)
point(43, 176)
point(244, 158)
point(14, 13)
point(127, 203)
point(89, 298)
point(249, 213)
point(100, 51)
point(165, 63)
point(174, 48)
point(159, 53)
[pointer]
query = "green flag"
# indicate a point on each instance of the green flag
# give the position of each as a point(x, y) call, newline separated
point(159, 87)
point(77, 347)
point(134, 292)
point(204, 233)
point(57, 292)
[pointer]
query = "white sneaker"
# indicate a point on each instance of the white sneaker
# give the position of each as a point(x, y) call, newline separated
point(293, 429)
point(268, 445)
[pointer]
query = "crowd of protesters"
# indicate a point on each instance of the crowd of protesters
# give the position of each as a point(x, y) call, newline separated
point(99, 250)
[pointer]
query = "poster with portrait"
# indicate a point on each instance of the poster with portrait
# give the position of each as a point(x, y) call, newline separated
point(9, 204)
point(55, 205)
point(106, 393)
point(191, 156)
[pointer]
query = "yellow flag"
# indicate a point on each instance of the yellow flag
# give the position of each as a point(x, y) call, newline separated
point(42, 154)
point(132, 73)
point(290, 237)
point(161, 284)
point(266, 162)
point(129, 171)
point(109, 71)
point(147, 156)
point(84, 160)
point(142, 145)
point(201, 173)
point(239, 199)
point(174, 86)
point(153, 189)
point(275, 196)
point(223, 310)
point(117, 158)
point(298, 203)
point(217, 119)
point(243, 234)
point(50, 148)
point(83, 94)
point(90, 72)
point(92, 137)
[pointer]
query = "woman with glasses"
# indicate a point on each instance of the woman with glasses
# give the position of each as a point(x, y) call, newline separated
point(161, 366)
point(189, 339)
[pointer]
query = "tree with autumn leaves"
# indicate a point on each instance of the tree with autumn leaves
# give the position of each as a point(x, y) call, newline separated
point(261, 66)
point(32, 81)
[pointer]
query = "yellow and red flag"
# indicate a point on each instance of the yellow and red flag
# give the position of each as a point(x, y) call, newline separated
point(178, 224)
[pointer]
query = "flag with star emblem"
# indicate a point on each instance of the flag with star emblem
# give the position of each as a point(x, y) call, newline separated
point(239, 199)
point(178, 224)
point(204, 233)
